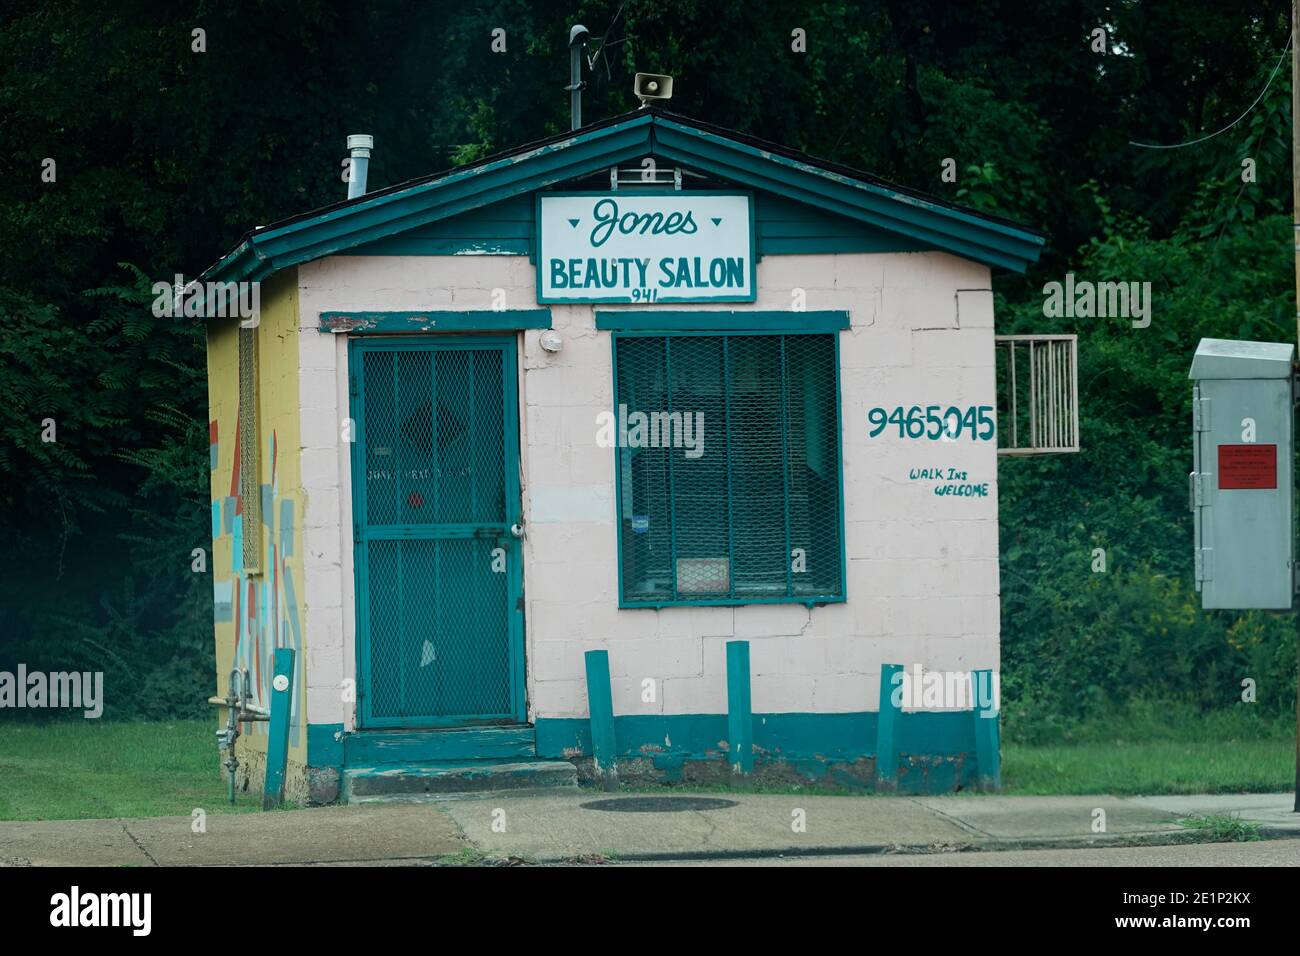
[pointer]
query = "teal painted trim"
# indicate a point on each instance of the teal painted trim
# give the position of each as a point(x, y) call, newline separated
point(988, 751)
point(387, 213)
point(503, 228)
point(807, 600)
point(415, 532)
point(507, 228)
point(836, 245)
point(324, 745)
point(839, 469)
point(514, 515)
point(360, 552)
point(937, 226)
point(767, 322)
point(385, 323)
point(624, 300)
point(964, 233)
point(240, 262)
point(594, 145)
point(370, 748)
point(740, 713)
point(600, 706)
point(277, 743)
point(435, 246)
point(887, 726)
point(771, 238)
point(784, 227)
point(837, 737)
point(346, 226)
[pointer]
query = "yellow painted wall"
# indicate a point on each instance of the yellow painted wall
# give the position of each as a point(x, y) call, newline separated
point(254, 613)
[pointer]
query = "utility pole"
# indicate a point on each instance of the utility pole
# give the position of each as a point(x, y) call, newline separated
point(1295, 212)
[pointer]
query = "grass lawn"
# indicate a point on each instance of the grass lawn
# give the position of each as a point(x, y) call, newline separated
point(1156, 767)
point(1153, 748)
point(68, 770)
point(96, 768)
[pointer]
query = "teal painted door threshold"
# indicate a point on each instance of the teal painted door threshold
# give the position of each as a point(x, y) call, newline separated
point(387, 323)
point(371, 747)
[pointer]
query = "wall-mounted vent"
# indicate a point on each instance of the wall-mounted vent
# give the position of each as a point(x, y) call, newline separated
point(250, 468)
point(630, 177)
point(1038, 394)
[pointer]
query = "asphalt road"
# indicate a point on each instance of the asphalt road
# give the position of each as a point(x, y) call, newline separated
point(1264, 853)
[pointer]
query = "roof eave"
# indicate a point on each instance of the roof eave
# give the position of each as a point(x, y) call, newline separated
point(345, 225)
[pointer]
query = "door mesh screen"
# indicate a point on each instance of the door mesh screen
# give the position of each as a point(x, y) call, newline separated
point(434, 509)
point(428, 601)
point(728, 468)
point(434, 437)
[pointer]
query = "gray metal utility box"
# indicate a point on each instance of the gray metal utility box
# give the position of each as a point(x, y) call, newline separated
point(1240, 488)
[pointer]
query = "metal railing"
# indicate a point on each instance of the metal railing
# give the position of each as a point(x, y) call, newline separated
point(1038, 400)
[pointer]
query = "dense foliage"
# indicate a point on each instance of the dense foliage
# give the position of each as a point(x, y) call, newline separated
point(164, 156)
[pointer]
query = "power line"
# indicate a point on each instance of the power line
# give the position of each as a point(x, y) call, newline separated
point(1193, 142)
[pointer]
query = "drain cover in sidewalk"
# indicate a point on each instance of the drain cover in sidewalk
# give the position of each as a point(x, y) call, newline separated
point(658, 804)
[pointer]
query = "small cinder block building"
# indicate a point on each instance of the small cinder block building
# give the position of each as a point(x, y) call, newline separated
point(650, 388)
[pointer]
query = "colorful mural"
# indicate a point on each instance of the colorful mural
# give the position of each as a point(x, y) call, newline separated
point(263, 605)
point(256, 611)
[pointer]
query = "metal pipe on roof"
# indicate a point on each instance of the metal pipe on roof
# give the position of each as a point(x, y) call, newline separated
point(577, 41)
point(359, 146)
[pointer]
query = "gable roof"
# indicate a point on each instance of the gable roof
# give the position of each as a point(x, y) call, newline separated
point(723, 153)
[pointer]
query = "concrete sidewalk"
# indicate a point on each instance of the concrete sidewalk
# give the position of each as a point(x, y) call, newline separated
point(550, 828)
point(589, 825)
point(371, 833)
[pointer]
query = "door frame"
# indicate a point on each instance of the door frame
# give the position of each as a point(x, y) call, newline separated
point(357, 347)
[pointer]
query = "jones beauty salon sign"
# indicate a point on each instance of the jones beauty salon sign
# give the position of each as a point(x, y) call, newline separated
point(645, 247)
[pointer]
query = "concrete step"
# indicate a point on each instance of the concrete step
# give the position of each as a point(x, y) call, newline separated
point(368, 748)
point(436, 780)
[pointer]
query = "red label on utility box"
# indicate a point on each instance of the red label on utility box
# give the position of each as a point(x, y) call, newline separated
point(1248, 466)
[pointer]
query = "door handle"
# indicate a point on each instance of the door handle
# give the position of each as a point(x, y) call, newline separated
point(517, 530)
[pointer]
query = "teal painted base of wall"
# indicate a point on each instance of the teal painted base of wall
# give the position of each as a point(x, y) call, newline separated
point(324, 763)
point(936, 750)
point(324, 745)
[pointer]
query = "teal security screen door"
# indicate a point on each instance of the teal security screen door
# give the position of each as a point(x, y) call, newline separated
point(435, 479)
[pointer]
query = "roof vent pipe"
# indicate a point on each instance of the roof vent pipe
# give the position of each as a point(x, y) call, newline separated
point(577, 42)
point(359, 145)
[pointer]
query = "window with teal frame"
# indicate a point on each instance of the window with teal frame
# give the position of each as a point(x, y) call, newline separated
point(728, 468)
